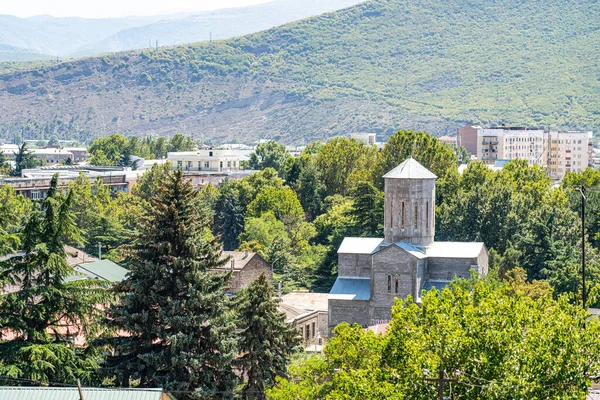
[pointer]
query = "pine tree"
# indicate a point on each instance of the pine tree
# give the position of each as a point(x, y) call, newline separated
point(42, 305)
point(266, 340)
point(176, 313)
point(23, 160)
point(367, 210)
point(229, 219)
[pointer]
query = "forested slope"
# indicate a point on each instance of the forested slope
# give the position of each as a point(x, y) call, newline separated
point(378, 66)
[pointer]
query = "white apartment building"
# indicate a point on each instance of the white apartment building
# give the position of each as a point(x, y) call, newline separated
point(558, 151)
point(569, 151)
point(207, 160)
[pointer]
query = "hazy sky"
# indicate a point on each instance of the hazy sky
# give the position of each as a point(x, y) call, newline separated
point(113, 8)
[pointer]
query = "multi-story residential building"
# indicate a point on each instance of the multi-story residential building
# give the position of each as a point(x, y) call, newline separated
point(34, 183)
point(211, 160)
point(569, 152)
point(558, 151)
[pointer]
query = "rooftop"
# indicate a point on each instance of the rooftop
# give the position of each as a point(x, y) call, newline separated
point(454, 249)
point(351, 289)
point(306, 301)
point(71, 393)
point(410, 169)
point(359, 245)
point(104, 269)
point(238, 258)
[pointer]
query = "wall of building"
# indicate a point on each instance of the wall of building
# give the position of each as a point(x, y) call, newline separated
point(354, 265)
point(389, 264)
point(242, 278)
point(317, 326)
point(446, 269)
point(402, 198)
point(467, 138)
point(351, 311)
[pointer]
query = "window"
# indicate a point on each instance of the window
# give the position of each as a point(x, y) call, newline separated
point(427, 215)
point(35, 194)
point(199, 165)
point(307, 331)
point(396, 284)
point(220, 164)
point(189, 165)
point(179, 164)
point(228, 164)
point(416, 223)
point(313, 329)
point(206, 164)
point(234, 164)
point(210, 153)
point(402, 216)
point(389, 284)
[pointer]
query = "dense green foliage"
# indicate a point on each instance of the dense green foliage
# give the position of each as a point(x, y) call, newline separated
point(507, 340)
point(266, 340)
point(45, 304)
point(181, 332)
point(375, 67)
point(270, 155)
point(118, 150)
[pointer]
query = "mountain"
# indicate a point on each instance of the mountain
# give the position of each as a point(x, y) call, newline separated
point(219, 24)
point(44, 37)
point(377, 66)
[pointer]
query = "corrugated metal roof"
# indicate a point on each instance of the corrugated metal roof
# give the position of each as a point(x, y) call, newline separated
point(103, 269)
point(71, 393)
point(410, 169)
point(454, 249)
point(358, 245)
point(351, 289)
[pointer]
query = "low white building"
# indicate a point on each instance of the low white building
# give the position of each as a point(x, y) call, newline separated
point(208, 160)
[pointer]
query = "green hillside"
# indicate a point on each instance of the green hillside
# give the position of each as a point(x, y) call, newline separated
point(378, 66)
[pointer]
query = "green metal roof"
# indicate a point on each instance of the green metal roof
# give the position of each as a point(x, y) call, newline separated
point(71, 393)
point(104, 269)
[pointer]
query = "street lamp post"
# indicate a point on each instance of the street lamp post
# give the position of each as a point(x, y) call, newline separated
point(583, 294)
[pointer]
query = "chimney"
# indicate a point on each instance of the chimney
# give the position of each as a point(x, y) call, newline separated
point(279, 289)
point(232, 265)
point(245, 254)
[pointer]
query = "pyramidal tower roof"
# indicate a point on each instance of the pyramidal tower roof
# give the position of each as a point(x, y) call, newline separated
point(410, 169)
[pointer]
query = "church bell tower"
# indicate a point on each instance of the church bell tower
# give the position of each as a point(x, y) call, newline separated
point(409, 208)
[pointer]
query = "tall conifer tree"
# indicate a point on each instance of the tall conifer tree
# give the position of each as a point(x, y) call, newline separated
point(180, 334)
point(42, 303)
point(266, 340)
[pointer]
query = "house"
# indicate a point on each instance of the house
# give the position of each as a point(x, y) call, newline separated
point(307, 312)
point(372, 272)
point(245, 268)
point(72, 393)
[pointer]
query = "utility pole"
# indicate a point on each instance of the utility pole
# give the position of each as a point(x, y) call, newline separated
point(441, 381)
point(99, 251)
point(583, 294)
point(80, 390)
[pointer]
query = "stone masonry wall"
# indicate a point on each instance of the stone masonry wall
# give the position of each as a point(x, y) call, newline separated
point(354, 265)
point(448, 268)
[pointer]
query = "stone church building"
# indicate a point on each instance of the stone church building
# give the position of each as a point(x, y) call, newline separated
point(374, 271)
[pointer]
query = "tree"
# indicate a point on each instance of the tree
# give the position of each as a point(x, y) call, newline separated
point(266, 340)
point(367, 210)
point(501, 340)
point(23, 160)
point(108, 150)
point(45, 299)
point(342, 162)
point(428, 150)
point(148, 184)
point(270, 155)
point(229, 220)
point(311, 191)
point(13, 211)
point(181, 143)
point(176, 312)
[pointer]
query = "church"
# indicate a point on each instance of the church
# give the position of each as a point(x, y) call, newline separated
point(374, 271)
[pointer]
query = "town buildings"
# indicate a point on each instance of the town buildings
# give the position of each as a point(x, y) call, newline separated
point(245, 268)
point(559, 152)
point(49, 155)
point(74, 393)
point(206, 160)
point(307, 312)
point(372, 272)
point(34, 183)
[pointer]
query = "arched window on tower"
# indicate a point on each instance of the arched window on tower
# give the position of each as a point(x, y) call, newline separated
point(427, 216)
point(389, 284)
point(396, 284)
point(416, 222)
point(402, 216)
